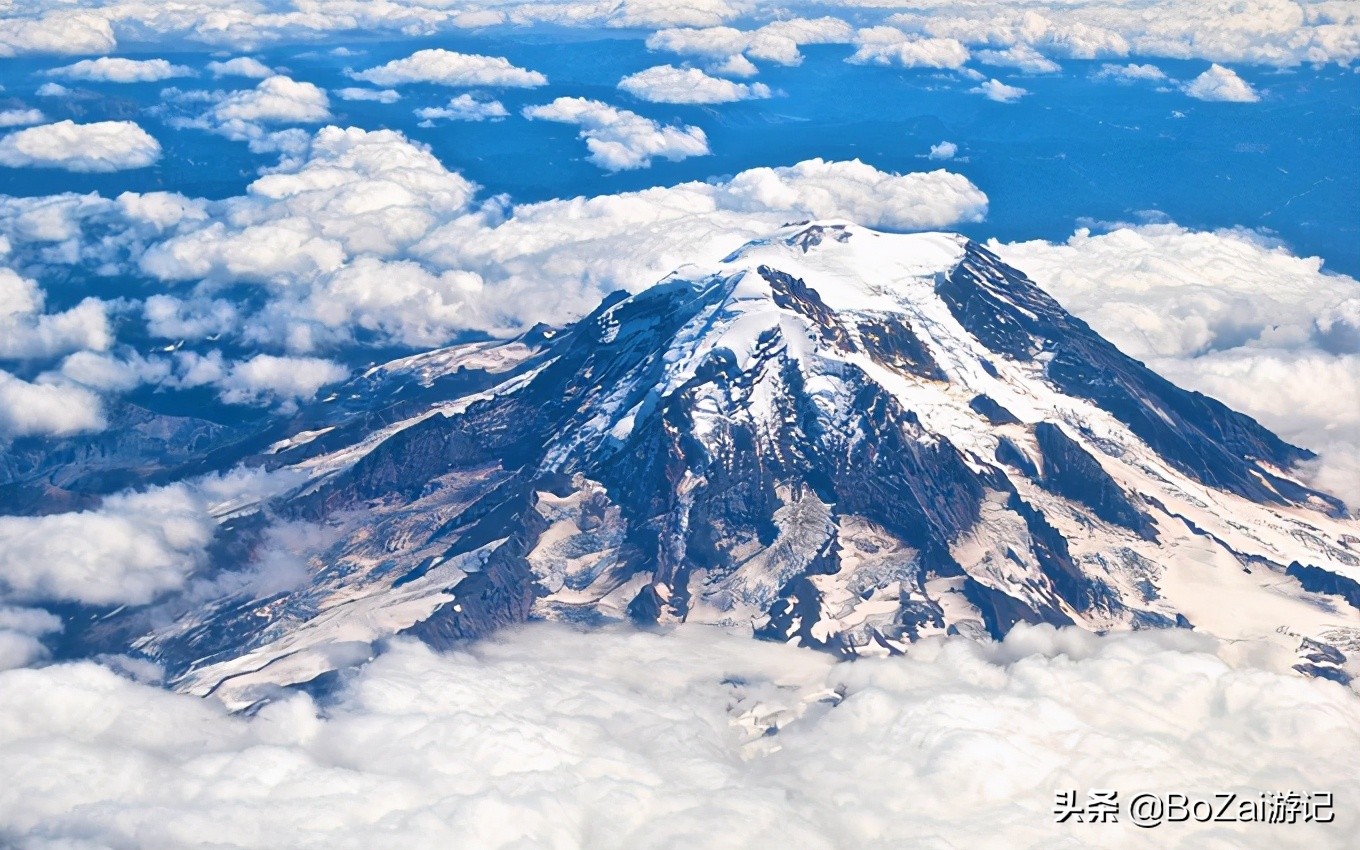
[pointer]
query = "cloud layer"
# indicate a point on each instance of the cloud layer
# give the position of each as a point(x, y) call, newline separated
point(1275, 32)
point(548, 737)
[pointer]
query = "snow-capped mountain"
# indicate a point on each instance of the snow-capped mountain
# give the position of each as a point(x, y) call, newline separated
point(834, 437)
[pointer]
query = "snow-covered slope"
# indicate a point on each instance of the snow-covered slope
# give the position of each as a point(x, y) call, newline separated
point(834, 437)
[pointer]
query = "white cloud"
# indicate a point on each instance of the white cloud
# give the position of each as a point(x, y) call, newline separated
point(368, 233)
point(260, 380)
point(56, 30)
point(169, 317)
point(1021, 56)
point(776, 42)
point(614, 739)
point(119, 70)
point(276, 100)
point(1223, 84)
point(736, 66)
point(447, 68)
point(101, 146)
point(1275, 32)
point(134, 546)
point(374, 95)
point(111, 373)
point(1228, 313)
point(241, 66)
point(1278, 32)
point(554, 259)
point(669, 84)
point(353, 192)
point(713, 42)
point(51, 90)
point(618, 139)
point(131, 549)
point(45, 409)
point(21, 634)
point(27, 332)
point(888, 46)
point(862, 193)
point(1130, 73)
point(998, 91)
point(21, 117)
point(266, 378)
point(944, 150)
point(253, 115)
point(465, 107)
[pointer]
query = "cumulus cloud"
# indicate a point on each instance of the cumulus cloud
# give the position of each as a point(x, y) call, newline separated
point(108, 69)
point(889, 46)
point(1223, 84)
point(547, 736)
point(859, 192)
point(276, 100)
point(132, 548)
point(618, 139)
point(998, 91)
point(465, 107)
point(21, 117)
point(1279, 32)
point(447, 68)
point(113, 373)
point(366, 237)
point(776, 42)
point(254, 115)
point(1276, 32)
point(1130, 73)
point(21, 635)
point(1229, 313)
point(1021, 56)
point(169, 317)
point(28, 409)
point(669, 84)
point(944, 150)
point(241, 66)
point(27, 332)
point(265, 377)
point(56, 30)
point(353, 192)
point(101, 146)
point(373, 95)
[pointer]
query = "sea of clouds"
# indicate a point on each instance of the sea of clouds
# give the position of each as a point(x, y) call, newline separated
point(1280, 32)
point(547, 737)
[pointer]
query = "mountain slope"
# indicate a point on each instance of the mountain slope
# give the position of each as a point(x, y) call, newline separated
point(835, 437)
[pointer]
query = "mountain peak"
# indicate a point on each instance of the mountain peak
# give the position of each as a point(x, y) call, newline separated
point(833, 436)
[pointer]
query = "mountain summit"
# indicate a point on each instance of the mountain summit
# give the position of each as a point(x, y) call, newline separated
point(834, 437)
